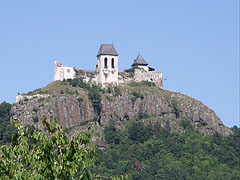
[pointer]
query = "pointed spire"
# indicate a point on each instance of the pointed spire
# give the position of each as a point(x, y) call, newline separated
point(139, 61)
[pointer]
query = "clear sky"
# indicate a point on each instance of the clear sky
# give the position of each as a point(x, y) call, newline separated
point(195, 44)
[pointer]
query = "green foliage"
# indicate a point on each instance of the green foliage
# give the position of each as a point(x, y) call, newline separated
point(185, 123)
point(138, 132)
point(136, 95)
point(6, 128)
point(175, 108)
point(202, 123)
point(94, 95)
point(112, 134)
point(38, 91)
point(109, 89)
point(131, 70)
point(142, 116)
point(156, 153)
point(117, 91)
point(142, 83)
point(78, 82)
point(80, 100)
point(109, 98)
point(62, 91)
point(69, 91)
point(52, 155)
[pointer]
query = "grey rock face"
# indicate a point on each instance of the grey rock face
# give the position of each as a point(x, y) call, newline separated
point(164, 108)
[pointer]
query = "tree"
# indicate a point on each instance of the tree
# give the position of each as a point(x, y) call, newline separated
point(6, 128)
point(51, 155)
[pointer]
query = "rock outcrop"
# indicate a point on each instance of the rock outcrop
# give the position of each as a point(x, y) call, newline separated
point(73, 108)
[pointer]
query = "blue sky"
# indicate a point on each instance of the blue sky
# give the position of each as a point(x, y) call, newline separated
point(195, 44)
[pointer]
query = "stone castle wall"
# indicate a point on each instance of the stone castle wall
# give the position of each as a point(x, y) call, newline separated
point(140, 74)
point(108, 75)
point(63, 72)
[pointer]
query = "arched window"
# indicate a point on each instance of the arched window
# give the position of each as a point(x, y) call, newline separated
point(112, 62)
point(105, 63)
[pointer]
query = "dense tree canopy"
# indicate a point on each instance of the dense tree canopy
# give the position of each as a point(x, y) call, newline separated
point(156, 153)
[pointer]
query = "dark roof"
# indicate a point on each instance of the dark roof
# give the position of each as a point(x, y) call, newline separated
point(107, 49)
point(151, 69)
point(139, 61)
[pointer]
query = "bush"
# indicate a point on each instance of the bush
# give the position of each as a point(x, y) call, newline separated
point(136, 95)
point(35, 119)
point(142, 83)
point(186, 124)
point(175, 108)
point(80, 100)
point(95, 97)
point(142, 115)
point(35, 109)
point(130, 70)
point(109, 90)
point(117, 91)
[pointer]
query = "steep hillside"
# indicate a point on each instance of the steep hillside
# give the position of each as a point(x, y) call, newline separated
point(76, 103)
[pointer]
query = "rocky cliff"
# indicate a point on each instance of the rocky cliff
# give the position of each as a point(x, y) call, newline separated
point(73, 107)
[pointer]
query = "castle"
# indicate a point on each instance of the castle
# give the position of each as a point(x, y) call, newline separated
point(106, 72)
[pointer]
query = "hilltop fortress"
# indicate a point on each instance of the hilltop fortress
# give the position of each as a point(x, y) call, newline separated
point(107, 73)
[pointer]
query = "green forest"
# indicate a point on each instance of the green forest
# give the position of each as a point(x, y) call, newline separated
point(145, 152)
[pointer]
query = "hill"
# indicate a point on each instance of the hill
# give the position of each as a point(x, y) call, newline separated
point(147, 132)
point(76, 103)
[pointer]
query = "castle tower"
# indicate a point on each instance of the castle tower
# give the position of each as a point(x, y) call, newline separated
point(107, 65)
point(140, 63)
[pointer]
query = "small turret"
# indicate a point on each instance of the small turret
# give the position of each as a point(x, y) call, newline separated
point(139, 61)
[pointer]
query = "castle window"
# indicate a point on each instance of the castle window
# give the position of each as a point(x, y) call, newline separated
point(112, 62)
point(105, 63)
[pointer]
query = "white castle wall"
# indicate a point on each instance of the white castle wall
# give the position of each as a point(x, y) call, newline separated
point(143, 74)
point(63, 72)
